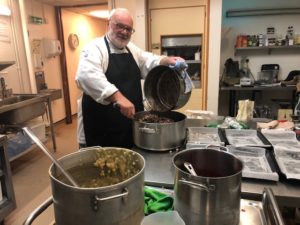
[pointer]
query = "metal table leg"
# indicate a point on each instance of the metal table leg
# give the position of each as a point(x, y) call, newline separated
point(231, 111)
point(48, 98)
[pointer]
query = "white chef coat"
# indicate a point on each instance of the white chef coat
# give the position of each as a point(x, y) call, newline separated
point(90, 76)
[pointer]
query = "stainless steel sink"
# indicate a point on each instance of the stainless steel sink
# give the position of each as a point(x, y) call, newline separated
point(20, 108)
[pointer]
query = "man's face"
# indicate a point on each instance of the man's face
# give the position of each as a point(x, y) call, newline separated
point(120, 30)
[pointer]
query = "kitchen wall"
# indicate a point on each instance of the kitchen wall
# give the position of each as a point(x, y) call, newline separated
point(12, 49)
point(86, 28)
point(51, 66)
point(257, 25)
point(233, 26)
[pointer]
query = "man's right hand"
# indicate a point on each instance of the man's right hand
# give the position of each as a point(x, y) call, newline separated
point(125, 106)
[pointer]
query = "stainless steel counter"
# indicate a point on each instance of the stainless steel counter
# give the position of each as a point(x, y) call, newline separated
point(160, 172)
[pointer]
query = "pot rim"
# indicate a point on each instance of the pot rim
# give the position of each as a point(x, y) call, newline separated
point(157, 112)
point(207, 149)
point(111, 187)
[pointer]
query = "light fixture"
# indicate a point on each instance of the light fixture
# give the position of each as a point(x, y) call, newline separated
point(4, 10)
point(103, 14)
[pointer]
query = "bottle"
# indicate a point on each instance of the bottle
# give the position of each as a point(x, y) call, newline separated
point(297, 107)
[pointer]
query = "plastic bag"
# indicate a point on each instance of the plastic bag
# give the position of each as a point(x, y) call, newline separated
point(245, 112)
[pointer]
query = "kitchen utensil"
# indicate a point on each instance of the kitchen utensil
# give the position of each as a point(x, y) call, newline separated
point(159, 136)
point(212, 197)
point(35, 139)
point(94, 206)
point(158, 83)
point(190, 168)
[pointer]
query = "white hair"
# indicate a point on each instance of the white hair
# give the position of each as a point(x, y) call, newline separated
point(117, 10)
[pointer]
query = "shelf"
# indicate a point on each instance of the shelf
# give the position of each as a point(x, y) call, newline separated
point(192, 61)
point(267, 49)
point(262, 12)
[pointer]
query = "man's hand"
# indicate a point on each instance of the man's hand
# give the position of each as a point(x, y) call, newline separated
point(125, 106)
point(170, 60)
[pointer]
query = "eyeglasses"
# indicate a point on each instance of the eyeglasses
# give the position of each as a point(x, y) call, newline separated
point(122, 27)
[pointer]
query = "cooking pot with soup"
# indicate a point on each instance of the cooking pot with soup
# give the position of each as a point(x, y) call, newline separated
point(110, 180)
point(159, 128)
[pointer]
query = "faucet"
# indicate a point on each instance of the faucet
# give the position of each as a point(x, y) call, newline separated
point(4, 92)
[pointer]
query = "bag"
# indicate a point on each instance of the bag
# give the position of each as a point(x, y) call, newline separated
point(231, 74)
point(245, 112)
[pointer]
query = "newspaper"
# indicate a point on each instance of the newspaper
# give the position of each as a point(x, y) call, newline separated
point(256, 164)
point(203, 136)
point(286, 150)
point(244, 138)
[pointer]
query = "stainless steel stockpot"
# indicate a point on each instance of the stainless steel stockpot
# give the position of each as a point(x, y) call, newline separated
point(159, 136)
point(213, 196)
point(121, 203)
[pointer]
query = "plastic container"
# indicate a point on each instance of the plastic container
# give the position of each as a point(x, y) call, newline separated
point(163, 218)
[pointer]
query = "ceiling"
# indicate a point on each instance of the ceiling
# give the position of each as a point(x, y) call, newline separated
point(80, 6)
point(74, 2)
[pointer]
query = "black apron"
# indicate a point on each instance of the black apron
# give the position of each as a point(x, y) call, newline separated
point(103, 124)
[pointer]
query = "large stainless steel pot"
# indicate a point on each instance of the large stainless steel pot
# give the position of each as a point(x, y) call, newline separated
point(213, 196)
point(166, 89)
point(159, 136)
point(122, 203)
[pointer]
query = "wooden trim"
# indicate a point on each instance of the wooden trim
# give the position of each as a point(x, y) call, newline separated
point(205, 61)
point(63, 66)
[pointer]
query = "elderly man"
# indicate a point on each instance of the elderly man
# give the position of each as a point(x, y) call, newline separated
point(109, 71)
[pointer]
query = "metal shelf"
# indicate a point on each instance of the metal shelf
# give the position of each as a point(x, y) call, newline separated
point(262, 12)
point(268, 49)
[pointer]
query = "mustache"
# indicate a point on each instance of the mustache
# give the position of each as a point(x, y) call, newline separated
point(123, 37)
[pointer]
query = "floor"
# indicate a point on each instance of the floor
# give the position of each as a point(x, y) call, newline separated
point(30, 176)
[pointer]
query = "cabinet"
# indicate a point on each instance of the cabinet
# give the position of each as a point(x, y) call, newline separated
point(188, 47)
point(7, 196)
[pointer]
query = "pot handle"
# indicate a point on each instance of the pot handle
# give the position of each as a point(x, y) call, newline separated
point(97, 200)
point(198, 186)
point(147, 130)
point(219, 147)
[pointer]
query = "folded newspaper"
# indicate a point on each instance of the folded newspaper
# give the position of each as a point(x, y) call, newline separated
point(256, 164)
point(244, 138)
point(286, 150)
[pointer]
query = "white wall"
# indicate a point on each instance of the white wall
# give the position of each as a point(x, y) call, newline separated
point(51, 66)
point(12, 49)
point(257, 25)
point(214, 55)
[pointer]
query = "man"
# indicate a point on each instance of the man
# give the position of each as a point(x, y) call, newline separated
point(109, 71)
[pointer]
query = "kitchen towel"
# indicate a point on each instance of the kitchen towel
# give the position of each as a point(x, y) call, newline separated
point(156, 201)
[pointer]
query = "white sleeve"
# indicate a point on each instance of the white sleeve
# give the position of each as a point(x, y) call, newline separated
point(145, 60)
point(90, 75)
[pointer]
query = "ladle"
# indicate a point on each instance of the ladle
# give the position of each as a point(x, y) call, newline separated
point(29, 132)
point(190, 168)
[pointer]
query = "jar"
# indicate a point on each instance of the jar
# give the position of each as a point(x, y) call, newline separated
point(297, 39)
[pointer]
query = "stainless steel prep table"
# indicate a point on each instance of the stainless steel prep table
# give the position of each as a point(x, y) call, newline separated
point(160, 172)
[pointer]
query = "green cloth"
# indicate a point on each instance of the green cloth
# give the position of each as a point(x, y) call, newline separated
point(156, 201)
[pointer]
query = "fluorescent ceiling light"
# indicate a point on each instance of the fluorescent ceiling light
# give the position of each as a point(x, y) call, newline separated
point(103, 14)
point(4, 10)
